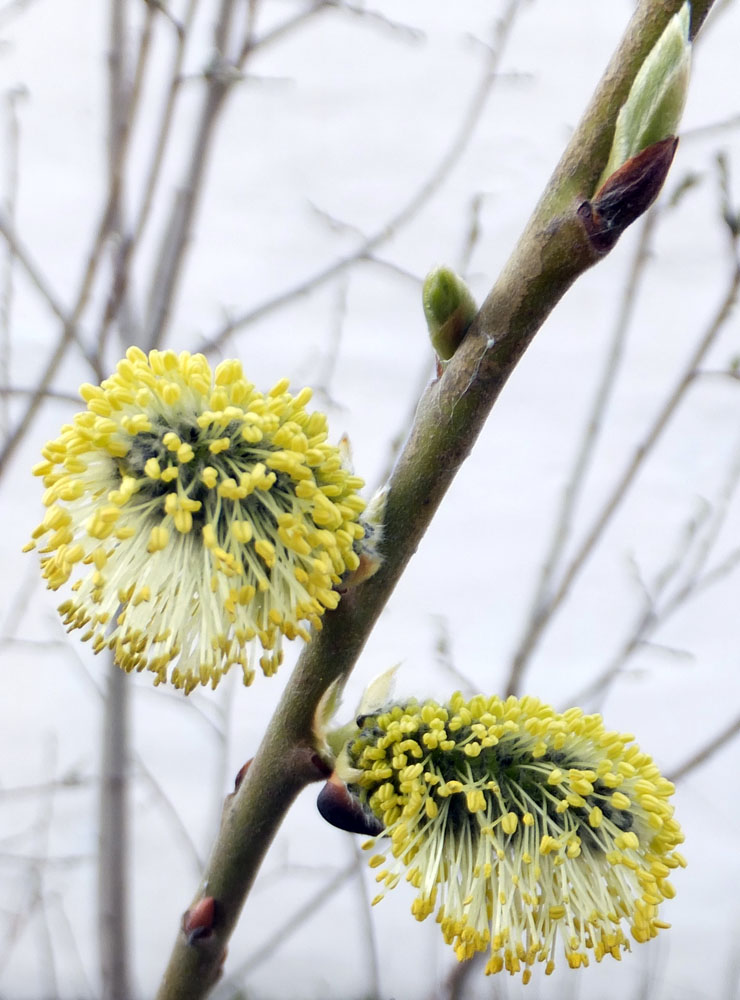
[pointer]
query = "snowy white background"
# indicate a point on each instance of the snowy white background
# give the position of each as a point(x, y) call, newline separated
point(349, 117)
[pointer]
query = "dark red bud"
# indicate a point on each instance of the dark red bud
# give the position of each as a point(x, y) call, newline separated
point(342, 809)
point(197, 922)
point(240, 774)
point(626, 194)
point(320, 764)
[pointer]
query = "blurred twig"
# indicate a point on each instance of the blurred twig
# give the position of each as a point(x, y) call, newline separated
point(718, 742)
point(659, 603)
point(548, 608)
point(113, 856)
point(584, 456)
point(457, 146)
point(10, 193)
point(279, 937)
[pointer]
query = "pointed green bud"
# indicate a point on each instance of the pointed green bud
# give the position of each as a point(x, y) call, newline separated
point(656, 99)
point(375, 697)
point(449, 308)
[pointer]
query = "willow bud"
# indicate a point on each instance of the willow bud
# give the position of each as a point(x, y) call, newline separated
point(656, 99)
point(449, 308)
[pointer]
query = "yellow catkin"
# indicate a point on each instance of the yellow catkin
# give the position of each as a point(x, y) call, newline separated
point(217, 517)
point(585, 863)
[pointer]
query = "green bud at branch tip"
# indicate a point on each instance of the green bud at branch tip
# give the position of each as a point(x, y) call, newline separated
point(655, 103)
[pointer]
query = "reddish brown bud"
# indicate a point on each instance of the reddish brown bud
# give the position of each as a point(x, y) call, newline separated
point(342, 809)
point(626, 194)
point(240, 774)
point(197, 922)
point(320, 764)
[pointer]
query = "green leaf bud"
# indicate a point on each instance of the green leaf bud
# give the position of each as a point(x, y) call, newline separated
point(449, 308)
point(656, 99)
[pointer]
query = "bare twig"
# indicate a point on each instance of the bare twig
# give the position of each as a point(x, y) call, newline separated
point(717, 743)
point(7, 276)
point(219, 78)
point(164, 125)
point(124, 103)
point(584, 455)
point(676, 395)
point(688, 561)
point(58, 394)
point(32, 270)
point(372, 990)
point(268, 948)
point(458, 144)
point(170, 811)
point(69, 331)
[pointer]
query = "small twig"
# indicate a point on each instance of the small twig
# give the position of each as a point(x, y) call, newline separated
point(170, 811)
point(368, 936)
point(40, 859)
point(72, 782)
point(585, 452)
point(708, 750)
point(472, 236)
point(123, 104)
point(676, 395)
point(457, 146)
point(268, 948)
point(7, 284)
point(69, 331)
point(68, 945)
point(701, 131)
point(219, 80)
point(32, 270)
point(35, 865)
point(654, 615)
point(328, 363)
point(381, 20)
point(164, 124)
point(58, 394)
point(456, 984)
point(445, 658)
point(286, 27)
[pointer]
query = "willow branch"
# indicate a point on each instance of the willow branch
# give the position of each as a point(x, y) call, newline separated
point(113, 858)
point(553, 251)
